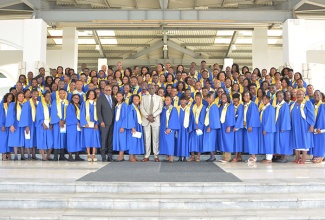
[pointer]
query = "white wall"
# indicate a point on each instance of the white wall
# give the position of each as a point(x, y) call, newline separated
point(275, 58)
point(316, 56)
point(53, 58)
point(315, 30)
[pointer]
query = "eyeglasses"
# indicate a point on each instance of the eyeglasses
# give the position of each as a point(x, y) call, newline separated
point(108, 90)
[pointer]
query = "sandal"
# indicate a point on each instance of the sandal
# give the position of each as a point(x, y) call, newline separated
point(94, 158)
point(317, 160)
point(297, 160)
point(89, 158)
point(252, 160)
point(235, 160)
point(190, 159)
point(197, 159)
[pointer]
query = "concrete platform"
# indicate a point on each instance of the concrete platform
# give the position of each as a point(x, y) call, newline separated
point(50, 190)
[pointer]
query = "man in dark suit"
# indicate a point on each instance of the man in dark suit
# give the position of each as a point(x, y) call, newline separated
point(105, 112)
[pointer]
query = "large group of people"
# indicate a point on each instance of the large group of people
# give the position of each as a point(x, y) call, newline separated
point(167, 110)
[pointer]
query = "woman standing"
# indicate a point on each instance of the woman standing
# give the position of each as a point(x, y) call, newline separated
point(74, 131)
point(251, 126)
point(16, 135)
point(89, 122)
point(4, 133)
point(283, 127)
point(303, 121)
point(120, 127)
point(319, 135)
point(136, 143)
point(238, 128)
point(227, 121)
point(44, 130)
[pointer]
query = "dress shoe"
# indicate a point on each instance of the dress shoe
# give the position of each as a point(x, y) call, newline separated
point(110, 158)
point(117, 160)
point(211, 159)
point(145, 160)
point(16, 158)
point(35, 158)
point(70, 159)
point(23, 158)
point(79, 159)
point(180, 159)
point(157, 159)
point(62, 158)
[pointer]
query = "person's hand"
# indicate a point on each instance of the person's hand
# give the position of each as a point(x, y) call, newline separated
point(168, 131)
point(281, 131)
point(87, 126)
point(12, 129)
point(61, 124)
point(197, 127)
point(311, 128)
point(3, 129)
point(250, 129)
point(208, 129)
point(264, 132)
point(235, 129)
point(27, 130)
point(318, 131)
point(51, 127)
point(79, 125)
point(102, 125)
point(96, 127)
point(133, 130)
point(121, 130)
point(44, 126)
point(228, 129)
point(150, 118)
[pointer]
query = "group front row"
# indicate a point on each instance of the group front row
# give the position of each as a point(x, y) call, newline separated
point(186, 131)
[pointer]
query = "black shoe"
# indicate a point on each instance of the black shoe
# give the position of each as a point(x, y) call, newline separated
point(23, 158)
point(110, 158)
point(70, 159)
point(55, 158)
point(211, 159)
point(62, 158)
point(116, 160)
point(180, 159)
point(79, 159)
point(16, 158)
point(35, 158)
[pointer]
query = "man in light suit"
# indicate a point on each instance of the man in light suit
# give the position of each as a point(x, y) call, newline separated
point(151, 107)
point(105, 111)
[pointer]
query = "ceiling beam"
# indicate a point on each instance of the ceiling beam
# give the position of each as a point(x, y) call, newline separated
point(101, 50)
point(59, 46)
point(147, 50)
point(220, 51)
point(316, 3)
point(223, 3)
point(107, 4)
point(222, 45)
point(233, 40)
point(33, 4)
point(7, 3)
point(183, 50)
point(110, 51)
point(147, 16)
point(165, 47)
point(164, 4)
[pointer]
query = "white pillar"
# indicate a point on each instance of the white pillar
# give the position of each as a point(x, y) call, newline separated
point(260, 48)
point(70, 48)
point(101, 62)
point(34, 44)
point(227, 62)
point(294, 44)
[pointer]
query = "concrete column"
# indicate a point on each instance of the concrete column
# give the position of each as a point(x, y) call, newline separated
point(227, 62)
point(70, 48)
point(294, 43)
point(101, 62)
point(34, 44)
point(260, 48)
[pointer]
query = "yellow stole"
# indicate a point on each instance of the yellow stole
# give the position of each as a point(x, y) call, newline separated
point(274, 102)
point(77, 111)
point(45, 110)
point(259, 104)
point(217, 101)
point(168, 112)
point(245, 111)
point(138, 114)
point(136, 90)
point(32, 105)
point(88, 111)
point(127, 99)
point(186, 116)
point(175, 101)
point(317, 107)
point(302, 106)
point(278, 107)
point(58, 107)
point(207, 115)
point(224, 113)
point(261, 115)
point(5, 106)
point(18, 108)
point(197, 111)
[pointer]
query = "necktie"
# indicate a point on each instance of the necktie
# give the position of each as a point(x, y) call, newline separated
point(151, 105)
point(109, 101)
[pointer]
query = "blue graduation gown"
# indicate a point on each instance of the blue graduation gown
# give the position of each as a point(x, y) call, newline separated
point(239, 134)
point(44, 137)
point(301, 138)
point(26, 120)
point(319, 139)
point(251, 138)
point(210, 138)
point(266, 142)
point(3, 134)
point(16, 138)
point(167, 141)
point(282, 139)
point(120, 139)
point(227, 139)
point(59, 139)
point(74, 143)
point(183, 134)
point(136, 145)
point(196, 142)
point(90, 136)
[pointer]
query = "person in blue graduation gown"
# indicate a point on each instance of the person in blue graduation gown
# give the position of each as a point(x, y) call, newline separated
point(120, 127)
point(302, 126)
point(44, 130)
point(196, 137)
point(185, 116)
point(136, 145)
point(227, 122)
point(319, 134)
point(283, 126)
point(27, 122)
point(74, 130)
point(16, 137)
point(267, 130)
point(211, 125)
point(169, 125)
point(4, 133)
point(238, 128)
point(252, 125)
point(89, 122)
point(58, 120)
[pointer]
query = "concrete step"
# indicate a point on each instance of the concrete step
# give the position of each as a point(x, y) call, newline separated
point(79, 214)
point(159, 201)
point(58, 186)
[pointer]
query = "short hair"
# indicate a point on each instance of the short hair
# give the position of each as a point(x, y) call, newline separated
point(88, 93)
point(228, 97)
point(266, 96)
point(183, 97)
point(198, 95)
point(236, 96)
point(250, 95)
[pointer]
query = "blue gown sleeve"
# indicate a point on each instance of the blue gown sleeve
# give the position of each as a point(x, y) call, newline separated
point(83, 121)
point(285, 119)
point(190, 127)
point(131, 117)
point(2, 116)
point(268, 124)
point(230, 117)
point(310, 114)
point(240, 117)
point(11, 115)
point(320, 120)
point(214, 118)
point(201, 118)
point(71, 118)
point(254, 119)
point(123, 116)
point(54, 114)
point(173, 123)
point(25, 117)
point(70, 97)
point(39, 115)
